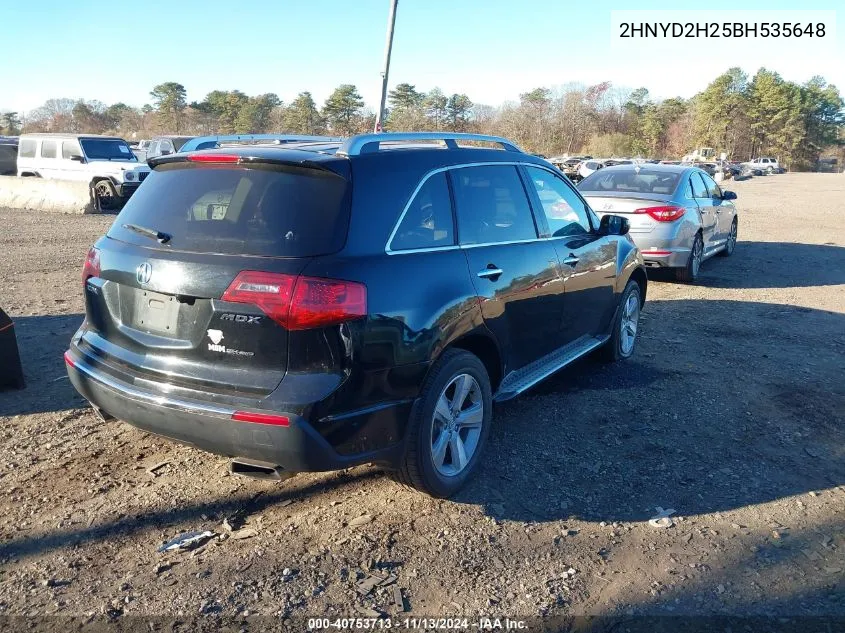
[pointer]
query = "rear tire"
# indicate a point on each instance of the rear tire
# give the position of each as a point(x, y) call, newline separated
point(689, 273)
point(442, 452)
point(623, 337)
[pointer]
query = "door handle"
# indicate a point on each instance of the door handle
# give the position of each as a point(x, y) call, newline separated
point(491, 272)
point(571, 260)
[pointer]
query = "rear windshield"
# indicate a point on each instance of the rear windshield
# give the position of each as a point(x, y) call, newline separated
point(106, 149)
point(631, 180)
point(275, 212)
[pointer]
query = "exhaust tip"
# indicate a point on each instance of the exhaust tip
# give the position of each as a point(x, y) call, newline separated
point(259, 470)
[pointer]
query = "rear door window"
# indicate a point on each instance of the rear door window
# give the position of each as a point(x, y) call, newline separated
point(281, 211)
point(27, 148)
point(48, 149)
point(428, 220)
point(492, 205)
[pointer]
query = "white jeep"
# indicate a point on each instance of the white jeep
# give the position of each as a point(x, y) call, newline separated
point(105, 162)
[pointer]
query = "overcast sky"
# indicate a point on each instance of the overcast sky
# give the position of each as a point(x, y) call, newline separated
point(492, 50)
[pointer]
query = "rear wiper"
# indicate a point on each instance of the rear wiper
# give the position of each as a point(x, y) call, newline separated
point(162, 237)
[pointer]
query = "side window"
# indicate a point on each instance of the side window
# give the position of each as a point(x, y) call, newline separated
point(166, 146)
point(565, 212)
point(492, 205)
point(428, 221)
point(713, 190)
point(152, 148)
point(699, 189)
point(27, 148)
point(48, 149)
point(70, 148)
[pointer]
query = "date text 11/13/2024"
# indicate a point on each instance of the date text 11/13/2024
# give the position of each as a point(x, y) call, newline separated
point(434, 624)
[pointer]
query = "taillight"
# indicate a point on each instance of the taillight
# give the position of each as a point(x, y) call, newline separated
point(663, 214)
point(298, 302)
point(91, 267)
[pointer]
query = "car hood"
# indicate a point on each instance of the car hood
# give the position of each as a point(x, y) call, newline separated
point(117, 166)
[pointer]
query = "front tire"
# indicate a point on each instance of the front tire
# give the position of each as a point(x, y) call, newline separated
point(689, 273)
point(449, 426)
point(105, 196)
point(730, 244)
point(623, 337)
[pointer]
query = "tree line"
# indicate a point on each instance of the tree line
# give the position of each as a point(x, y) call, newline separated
point(740, 115)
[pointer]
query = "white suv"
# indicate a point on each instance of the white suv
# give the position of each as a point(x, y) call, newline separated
point(105, 162)
point(766, 164)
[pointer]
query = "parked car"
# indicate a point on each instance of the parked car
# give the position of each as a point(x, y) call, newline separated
point(588, 167)
point(765, 164)
point(679, 216)
point(8, 155)
point(305, 311)
point(164, 145)
point(230, 140)
point(105, 162)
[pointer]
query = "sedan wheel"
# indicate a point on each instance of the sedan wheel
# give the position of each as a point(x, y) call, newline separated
point(730, 243)
point(456, 428)
point(689, 273)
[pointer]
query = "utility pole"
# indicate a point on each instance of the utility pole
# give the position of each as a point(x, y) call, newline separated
point(388, 46)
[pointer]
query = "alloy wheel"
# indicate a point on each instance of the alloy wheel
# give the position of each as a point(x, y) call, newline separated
point(629, 322)
point(697, 255)
point(732, 238)
point(457, 424)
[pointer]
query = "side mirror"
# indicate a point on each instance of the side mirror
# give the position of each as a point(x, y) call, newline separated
point(728, 195)
point(165, 152)
point(614, 225)
point(78, 158)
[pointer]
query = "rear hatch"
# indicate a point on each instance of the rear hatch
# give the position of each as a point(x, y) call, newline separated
point(167, 296)
point(643, 195)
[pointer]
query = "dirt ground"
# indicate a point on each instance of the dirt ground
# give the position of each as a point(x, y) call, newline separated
point(731, 413)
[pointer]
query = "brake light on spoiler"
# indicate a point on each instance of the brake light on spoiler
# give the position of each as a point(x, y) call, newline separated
point(663, 213)
point(213, 158)
point(297, 302)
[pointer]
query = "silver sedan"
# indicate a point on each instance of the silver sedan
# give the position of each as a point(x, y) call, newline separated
point(679, 216)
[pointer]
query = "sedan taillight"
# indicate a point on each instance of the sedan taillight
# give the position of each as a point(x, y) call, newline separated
point(663, 213)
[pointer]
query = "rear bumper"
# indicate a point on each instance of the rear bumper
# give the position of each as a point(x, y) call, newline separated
point(666, 258)
point(297, 447)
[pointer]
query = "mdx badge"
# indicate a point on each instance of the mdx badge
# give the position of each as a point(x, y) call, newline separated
point(143, 273)
point(241, 318)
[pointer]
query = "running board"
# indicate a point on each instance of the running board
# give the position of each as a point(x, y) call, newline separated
point(518, 381)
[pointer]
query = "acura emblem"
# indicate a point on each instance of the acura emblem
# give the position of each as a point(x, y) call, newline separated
point(143, 273)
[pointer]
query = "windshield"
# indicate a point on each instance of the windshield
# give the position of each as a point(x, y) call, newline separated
point(106, 149)
point(179, 141)
point(277, 211)
point(631, 180)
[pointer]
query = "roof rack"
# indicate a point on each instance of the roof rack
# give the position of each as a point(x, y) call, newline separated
point(368, 143)
point(254, 139)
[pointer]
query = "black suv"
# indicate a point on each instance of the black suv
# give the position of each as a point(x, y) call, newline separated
point(316, 307)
